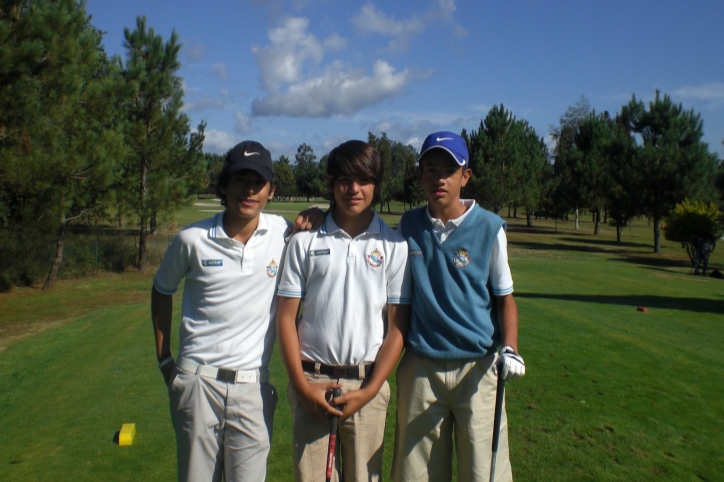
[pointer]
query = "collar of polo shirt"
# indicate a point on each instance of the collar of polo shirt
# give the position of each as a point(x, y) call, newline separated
point(329, 227)
point(217, 228)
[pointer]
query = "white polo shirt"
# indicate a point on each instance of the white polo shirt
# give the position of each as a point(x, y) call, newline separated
point(345, 285)
point(229, 306)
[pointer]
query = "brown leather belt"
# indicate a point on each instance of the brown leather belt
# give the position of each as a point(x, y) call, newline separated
point(351, 372)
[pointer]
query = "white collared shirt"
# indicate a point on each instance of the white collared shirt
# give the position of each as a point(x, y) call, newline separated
point(229, 302)
point(345, 285)
point(501, 279)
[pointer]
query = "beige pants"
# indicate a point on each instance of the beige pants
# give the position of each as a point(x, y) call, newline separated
point(360, 438)
point(437, 398)
point(221, 427)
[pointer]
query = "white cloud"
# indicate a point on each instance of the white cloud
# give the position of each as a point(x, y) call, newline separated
point(335, 42)
point(194, 52)
point(218, 141)
point(371, 20)
point(291, 45)
point(220, 71)
point(711, 92)
point(242, 124)
point(337, 91)
point(203, 103)
point(331, 142)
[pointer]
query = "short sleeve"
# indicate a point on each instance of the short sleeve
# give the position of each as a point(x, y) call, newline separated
point(501, 279)
point(294, 271)
point(174, 266)
point(399, 277)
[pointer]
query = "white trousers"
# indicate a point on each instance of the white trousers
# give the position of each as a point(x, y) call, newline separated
point(221, 427)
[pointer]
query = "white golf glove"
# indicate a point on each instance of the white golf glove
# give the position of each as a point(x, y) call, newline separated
point(513, 364)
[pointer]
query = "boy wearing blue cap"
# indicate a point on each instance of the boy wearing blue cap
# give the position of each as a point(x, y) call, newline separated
point(462, 311)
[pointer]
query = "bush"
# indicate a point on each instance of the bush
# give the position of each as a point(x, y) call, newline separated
point(692, 221)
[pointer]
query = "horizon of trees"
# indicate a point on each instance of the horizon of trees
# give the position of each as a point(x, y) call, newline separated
point(89, 140)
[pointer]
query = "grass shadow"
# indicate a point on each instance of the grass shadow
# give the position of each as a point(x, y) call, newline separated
point(695, 305)
point(556, 247)
point(607, 242)
point(652, 261)
point(516, 228)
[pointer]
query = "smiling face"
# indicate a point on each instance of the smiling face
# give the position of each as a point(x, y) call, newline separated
point(246, 194)
point(442, 179)
point(353, 195)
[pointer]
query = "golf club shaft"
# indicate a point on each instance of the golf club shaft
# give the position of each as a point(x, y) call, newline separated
point(334, 421)
point(499, 396)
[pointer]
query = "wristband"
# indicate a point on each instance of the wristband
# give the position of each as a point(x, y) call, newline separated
point(165, 361)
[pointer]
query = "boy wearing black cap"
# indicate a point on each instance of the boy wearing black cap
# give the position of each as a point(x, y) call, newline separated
point(462, 311)
point(222, 404)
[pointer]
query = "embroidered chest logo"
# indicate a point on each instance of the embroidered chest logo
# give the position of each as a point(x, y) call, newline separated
point(461, 259)
point(272, 269)
point(212, 262)
point(375, 259)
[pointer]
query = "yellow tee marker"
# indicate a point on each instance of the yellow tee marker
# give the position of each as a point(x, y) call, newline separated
point(127, 434)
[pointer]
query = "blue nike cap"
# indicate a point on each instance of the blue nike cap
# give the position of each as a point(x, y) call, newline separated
point(448, 141)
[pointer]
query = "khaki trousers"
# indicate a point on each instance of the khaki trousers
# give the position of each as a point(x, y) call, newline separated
point(221, 427)
point(436, 398)
point(359, 442)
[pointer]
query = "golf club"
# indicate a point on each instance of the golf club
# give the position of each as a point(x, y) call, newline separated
point(332, 438)
point(500, 393)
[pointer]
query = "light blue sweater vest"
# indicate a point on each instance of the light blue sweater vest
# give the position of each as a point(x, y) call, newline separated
point(453, 309)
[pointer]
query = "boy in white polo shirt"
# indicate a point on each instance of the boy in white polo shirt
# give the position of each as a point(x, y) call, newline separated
point(222, 405)
point(351, 277)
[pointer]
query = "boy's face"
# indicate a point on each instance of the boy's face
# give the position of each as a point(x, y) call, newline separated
point(353, 195)
point(442, 178)
point(246, 194)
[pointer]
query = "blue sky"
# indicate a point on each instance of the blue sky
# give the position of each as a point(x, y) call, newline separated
point(323, 71)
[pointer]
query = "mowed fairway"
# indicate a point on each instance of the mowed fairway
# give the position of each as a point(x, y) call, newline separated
point(611, 393)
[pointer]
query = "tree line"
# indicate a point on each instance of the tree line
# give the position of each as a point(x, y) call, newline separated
point(84, 137)
point(91, 140)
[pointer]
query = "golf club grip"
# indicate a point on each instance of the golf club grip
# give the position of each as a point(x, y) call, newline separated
point(334, 421)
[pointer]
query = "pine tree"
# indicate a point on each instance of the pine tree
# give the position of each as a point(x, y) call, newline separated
point(58, 131)
point(306, 172)
point(672, 161)
point(284, 177)
point(165, 162)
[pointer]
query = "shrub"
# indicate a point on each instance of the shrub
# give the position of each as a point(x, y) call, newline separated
point(690, 221)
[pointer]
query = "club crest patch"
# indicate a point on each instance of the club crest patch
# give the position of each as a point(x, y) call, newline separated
point(461, 259)
point(212, 262)
point(272, 269)
point(375, 259)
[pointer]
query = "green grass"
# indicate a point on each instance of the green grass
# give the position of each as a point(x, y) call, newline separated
point(610, 393)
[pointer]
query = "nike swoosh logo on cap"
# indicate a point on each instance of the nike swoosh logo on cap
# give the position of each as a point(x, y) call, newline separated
point(247, 154)
point(444, 139)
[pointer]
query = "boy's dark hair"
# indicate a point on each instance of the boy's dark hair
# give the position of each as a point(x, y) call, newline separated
point(355, 159)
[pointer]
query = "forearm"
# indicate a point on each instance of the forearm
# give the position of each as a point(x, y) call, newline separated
point(389, 353)
point(161, 317)
point(287, 310)
point(508, 319)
